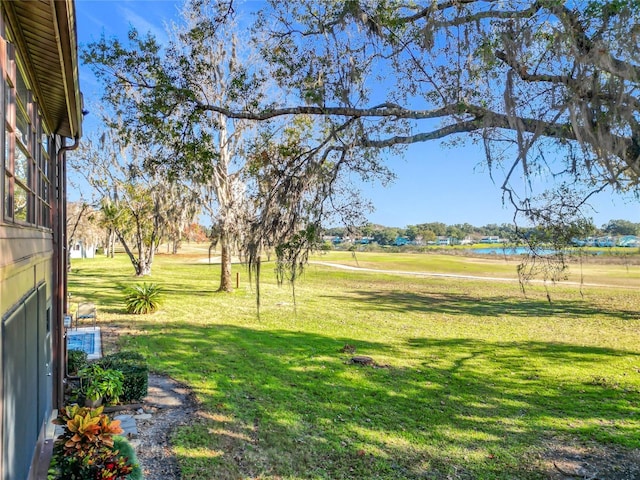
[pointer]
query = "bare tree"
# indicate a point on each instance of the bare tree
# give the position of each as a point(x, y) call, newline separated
point(133, 201)
point(83, 224)
point(181, 205)
point(201, 62)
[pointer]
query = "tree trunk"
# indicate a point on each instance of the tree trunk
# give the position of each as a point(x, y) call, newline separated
point(151, 256)
point(111, 244)
point(145, 260)
point(225, 264)
point(141, 264)
point(143, 269)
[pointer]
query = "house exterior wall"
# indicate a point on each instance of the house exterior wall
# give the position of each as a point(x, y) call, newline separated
point(26, 347)
point(28, 330)
point(38, 67)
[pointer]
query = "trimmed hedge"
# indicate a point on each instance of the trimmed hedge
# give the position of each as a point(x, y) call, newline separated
point(76, 360)
point(135, 369)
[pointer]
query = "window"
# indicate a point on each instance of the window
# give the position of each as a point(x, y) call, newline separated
point(27, 157)
point(43, 171)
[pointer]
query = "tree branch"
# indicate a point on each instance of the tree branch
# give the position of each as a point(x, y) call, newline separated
point(598, 54)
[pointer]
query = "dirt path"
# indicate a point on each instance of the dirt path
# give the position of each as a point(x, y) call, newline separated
point(170, 405)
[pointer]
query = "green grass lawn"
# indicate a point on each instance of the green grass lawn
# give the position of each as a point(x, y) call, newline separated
point(475, 379)
point(611, 269)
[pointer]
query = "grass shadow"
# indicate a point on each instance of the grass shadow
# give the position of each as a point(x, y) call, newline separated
point(472, 407)
point(460, 304)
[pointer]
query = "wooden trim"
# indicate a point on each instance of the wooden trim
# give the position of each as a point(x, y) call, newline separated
point(44, 32)
point(64, 13)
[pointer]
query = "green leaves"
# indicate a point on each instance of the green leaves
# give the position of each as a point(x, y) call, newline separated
point(135, 371)
point(605, 8)
point(89, 447)
point(143, 299)
point(98, 383)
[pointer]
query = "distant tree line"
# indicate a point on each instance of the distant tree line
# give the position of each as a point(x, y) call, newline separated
point(620, 227)
point(428, 232)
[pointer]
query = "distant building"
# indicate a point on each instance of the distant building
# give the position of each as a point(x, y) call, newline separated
point(80, 249)
point(400, 241)
point(604, 242)
point(629, 241)
point(490, 239)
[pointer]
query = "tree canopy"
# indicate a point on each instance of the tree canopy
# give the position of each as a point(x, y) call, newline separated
point(264, 185)
point(547, 88)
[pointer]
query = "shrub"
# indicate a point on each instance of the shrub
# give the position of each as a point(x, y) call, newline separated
point(126, 450)
point(89, 448)
point(143, 299)
point(76, 360)
point(97, 382)
point(135, 370)
point(124, 356)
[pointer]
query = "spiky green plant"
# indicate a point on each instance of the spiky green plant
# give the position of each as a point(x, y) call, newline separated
point(143, 299)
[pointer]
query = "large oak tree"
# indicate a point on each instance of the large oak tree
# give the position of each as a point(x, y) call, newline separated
point(256, 191)
point(548, 89)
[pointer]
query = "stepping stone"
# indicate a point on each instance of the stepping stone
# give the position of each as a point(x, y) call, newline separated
point(128, 424)
point(164, 392)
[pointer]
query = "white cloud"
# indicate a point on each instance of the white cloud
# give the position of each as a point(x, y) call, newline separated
point(100, 23)
point(141, 24)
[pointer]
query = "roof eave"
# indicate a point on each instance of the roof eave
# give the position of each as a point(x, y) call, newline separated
point(65, 24)
point(45, 32)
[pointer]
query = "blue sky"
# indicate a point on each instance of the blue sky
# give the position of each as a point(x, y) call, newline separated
point(434, 183)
